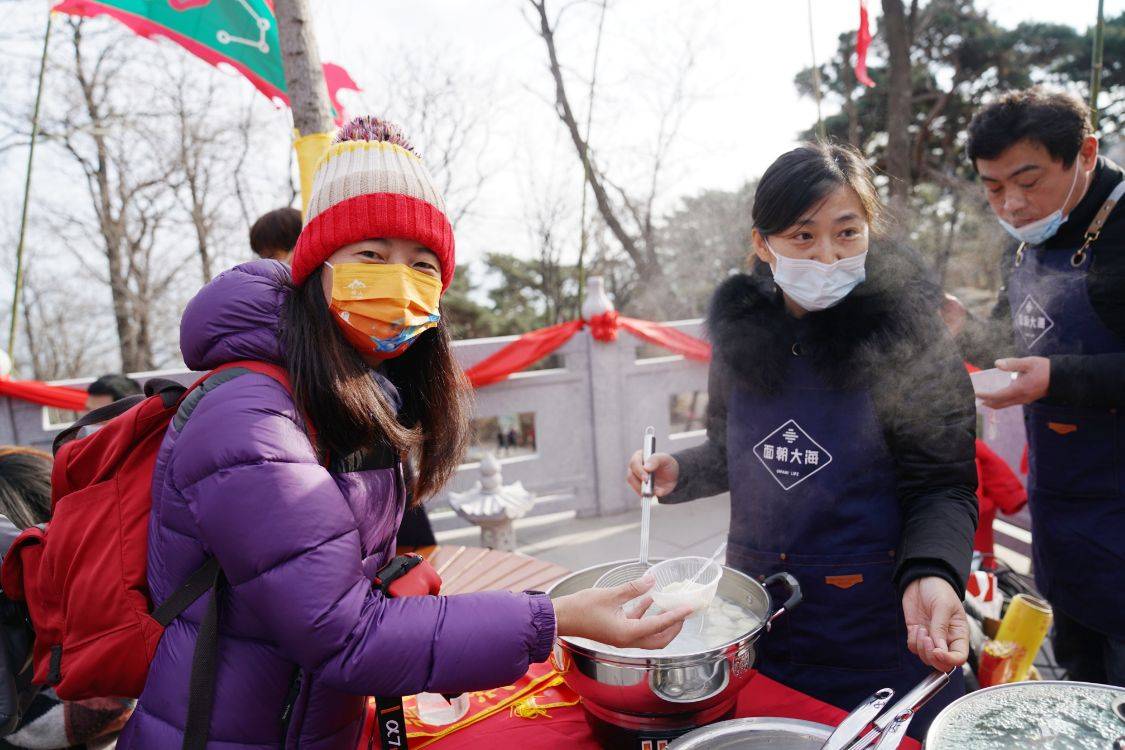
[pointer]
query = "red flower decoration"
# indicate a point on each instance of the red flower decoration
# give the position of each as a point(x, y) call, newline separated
point(603, 327)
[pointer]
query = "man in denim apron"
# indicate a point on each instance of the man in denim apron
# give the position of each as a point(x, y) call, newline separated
point(1063, 315)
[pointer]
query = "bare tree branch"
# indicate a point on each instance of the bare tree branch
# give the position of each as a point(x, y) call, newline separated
point(565, 112)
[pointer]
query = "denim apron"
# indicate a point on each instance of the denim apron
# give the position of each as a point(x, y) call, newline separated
point(1076, 455)
point(813, 493)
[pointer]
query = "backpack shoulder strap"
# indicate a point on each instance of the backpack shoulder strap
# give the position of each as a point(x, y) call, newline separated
point(201, 694)
point(95, 416)
point(277, 372)
point(227, 372)
point(209, 576)
point(197, 584)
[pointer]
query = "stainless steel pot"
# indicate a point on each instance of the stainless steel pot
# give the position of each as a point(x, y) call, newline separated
point(765, 732)
point(1048, 713)
point(678, 689)
point(887, 725)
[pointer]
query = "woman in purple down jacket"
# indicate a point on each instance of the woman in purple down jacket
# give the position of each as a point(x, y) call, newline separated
point(299, 527)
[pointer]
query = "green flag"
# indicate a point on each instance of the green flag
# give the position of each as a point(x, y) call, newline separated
point(239, 33)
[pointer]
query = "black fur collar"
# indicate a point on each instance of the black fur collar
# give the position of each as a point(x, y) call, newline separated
point(888, 320)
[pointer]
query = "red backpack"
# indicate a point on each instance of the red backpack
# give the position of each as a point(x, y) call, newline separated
point(84, 575)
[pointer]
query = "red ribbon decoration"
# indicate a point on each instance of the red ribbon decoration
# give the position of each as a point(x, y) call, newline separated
point(532, 347)
point(521, 353)
point(671, 339)
point(36, 392)
point(516, 356)
point(604, 327)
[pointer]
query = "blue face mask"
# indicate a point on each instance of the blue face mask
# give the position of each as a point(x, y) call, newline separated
point(1041, 230)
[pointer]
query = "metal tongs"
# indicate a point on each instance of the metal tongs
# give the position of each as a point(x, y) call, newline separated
point(887, 727)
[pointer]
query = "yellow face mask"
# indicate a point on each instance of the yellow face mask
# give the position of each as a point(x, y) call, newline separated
point(383, 308)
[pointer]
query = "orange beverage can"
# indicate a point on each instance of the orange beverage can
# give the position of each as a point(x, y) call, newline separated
point(998, 661)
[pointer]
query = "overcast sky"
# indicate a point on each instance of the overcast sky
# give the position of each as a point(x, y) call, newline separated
point(744, 109)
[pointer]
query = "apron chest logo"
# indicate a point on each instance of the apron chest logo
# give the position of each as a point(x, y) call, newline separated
point(1032, 321)
point(790, 455)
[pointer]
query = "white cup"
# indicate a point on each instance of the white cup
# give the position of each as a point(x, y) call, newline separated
point(990, 381)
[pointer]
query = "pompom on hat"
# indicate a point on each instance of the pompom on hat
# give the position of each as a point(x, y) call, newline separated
point(371, 183)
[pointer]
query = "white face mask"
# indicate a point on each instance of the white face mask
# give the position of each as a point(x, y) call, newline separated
point(1041, 230)
point(814, 285)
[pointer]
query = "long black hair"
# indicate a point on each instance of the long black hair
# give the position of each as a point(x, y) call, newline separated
point(334, 389)
point(801, 179)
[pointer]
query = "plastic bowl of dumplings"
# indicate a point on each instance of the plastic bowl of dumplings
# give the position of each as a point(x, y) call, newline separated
point(674, 587)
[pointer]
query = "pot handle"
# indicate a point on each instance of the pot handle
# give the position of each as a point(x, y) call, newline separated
point(795, 596)
point(554, 660)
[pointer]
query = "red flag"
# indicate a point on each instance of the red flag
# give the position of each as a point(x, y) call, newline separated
point(337, 78)
point(862, 42)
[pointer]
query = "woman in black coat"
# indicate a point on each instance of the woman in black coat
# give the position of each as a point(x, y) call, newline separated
point(842, 422)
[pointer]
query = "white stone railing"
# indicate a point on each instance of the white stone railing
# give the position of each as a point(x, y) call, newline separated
point(590, 414)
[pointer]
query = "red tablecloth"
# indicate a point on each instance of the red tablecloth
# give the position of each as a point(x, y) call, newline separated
point(566, 727)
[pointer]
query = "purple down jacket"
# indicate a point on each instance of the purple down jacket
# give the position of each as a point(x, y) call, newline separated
point(297, 542)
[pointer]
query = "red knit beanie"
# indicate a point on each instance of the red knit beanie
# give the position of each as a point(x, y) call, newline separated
point(370, 183)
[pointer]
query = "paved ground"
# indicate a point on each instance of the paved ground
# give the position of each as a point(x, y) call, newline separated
point(694, 528)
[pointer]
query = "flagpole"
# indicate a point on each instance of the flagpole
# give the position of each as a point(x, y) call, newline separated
point(18, 287)
point(1096, 71)
point(820, 130)
point(583, 233)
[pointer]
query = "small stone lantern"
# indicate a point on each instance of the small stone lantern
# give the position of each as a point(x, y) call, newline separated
point(493, 506)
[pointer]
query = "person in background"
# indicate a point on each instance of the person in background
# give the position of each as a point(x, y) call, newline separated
point(25, 485)
point(1059, 323)
point(49, 723)
point(110, 388)
point(274, 234)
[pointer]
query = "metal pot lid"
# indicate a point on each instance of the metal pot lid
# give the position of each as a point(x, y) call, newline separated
point(762, 732)
point(1046, 714)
